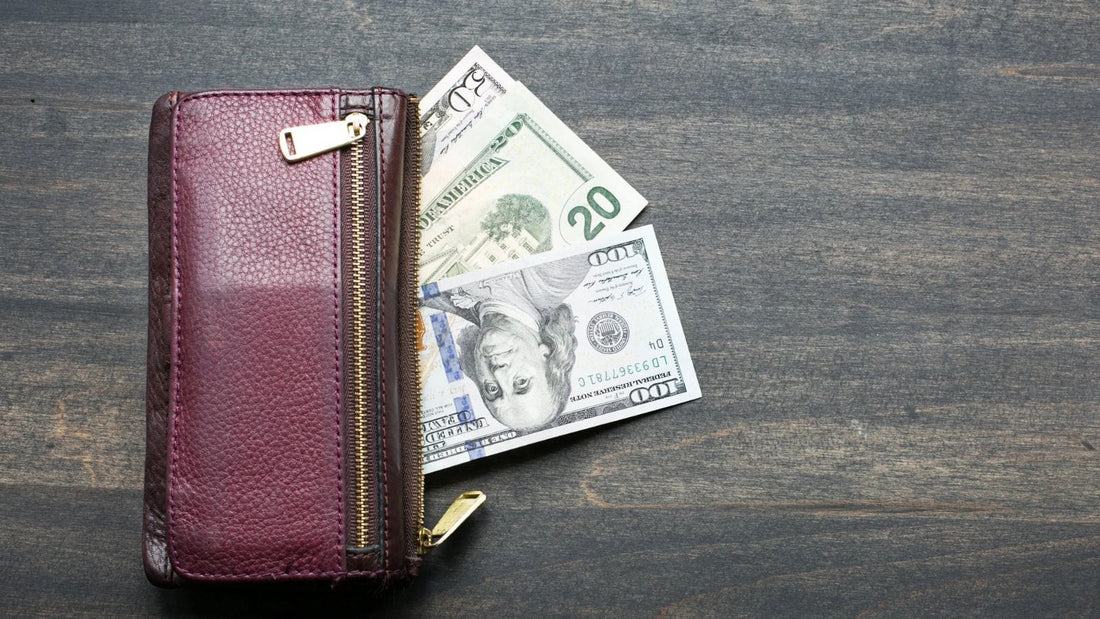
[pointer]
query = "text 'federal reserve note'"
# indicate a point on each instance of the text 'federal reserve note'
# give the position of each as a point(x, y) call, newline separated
point(547, 345)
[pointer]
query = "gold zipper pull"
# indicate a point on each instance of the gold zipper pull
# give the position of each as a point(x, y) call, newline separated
point(303, 142)
point(453, 518)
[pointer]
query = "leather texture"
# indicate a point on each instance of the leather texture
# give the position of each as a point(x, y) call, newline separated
point(246, 423)
point(158, 566)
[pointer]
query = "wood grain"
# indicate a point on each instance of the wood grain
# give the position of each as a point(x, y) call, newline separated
point(880, 222)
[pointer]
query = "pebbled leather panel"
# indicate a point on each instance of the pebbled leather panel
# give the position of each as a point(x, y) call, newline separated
point(255, 478)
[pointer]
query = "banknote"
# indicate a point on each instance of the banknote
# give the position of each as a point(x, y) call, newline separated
point(547, 345)
point(457, 102)
point(519, 183)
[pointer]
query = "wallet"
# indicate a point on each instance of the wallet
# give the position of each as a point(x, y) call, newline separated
point(283, 396)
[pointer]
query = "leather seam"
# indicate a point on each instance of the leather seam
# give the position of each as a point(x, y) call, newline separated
point(175, 357)
point(339, 550)
point(267, 93)
point(382, 327)
point(277, 575)
point(174, 409)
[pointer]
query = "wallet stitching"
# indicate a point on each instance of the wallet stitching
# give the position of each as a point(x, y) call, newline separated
point(178, 337)
point(270, 93)
point(175, 318)
point(382, 329)
point(338, 550)
point(178, 341)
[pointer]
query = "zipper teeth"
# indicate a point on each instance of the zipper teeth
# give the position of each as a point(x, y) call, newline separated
point(359, 345)
point(414, 104)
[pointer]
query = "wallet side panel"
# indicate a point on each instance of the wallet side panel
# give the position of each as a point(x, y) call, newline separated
point(390, 135)
point(255, 488)
point(158, 565)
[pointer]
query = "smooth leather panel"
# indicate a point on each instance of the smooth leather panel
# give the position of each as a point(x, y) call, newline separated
point(390, 135)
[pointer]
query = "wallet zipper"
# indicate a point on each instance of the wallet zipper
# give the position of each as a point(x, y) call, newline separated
point(304, 142)
point(360, 368)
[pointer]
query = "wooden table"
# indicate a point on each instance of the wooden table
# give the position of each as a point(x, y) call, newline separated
point(881, 223)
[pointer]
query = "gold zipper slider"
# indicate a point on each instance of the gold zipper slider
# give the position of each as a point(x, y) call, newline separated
point(453, 518)
point(303, 142)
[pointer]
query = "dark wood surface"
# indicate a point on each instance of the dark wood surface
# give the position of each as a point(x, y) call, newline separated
point(881, 223)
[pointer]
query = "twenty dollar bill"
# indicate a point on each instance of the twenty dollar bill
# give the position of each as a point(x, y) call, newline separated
point(519, 182)
point(457, 102)
point(547, 345)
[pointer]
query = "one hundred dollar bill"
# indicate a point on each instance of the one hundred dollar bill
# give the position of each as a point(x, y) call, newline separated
point(520, 183)
point(457, 102)
point(547, 345)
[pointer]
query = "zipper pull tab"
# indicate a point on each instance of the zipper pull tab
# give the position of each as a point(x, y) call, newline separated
point(455, 515)
point(298, 143)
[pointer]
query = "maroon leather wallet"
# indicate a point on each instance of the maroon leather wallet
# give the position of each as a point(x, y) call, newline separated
point(282, 417)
